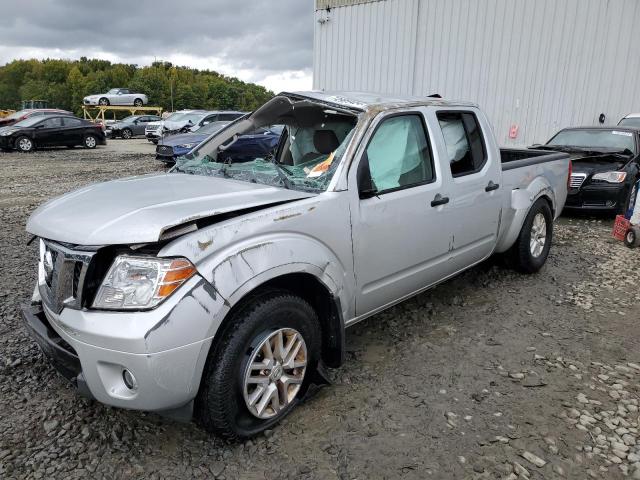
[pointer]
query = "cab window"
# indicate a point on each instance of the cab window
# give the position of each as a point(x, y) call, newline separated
point(399, 154)
point(463, 139)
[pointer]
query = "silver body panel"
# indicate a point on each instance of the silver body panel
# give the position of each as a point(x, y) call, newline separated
point(116, 99)
point(369, 253)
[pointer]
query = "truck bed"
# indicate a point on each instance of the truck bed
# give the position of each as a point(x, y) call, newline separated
point(522, 157)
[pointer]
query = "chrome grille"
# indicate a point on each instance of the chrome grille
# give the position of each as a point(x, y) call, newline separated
point(61, 275)
point(577, 179)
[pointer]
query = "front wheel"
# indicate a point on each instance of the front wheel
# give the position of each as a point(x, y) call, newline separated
point(531, 249)
point(90, 141)
point(24, 144)
point(104, 102)
point(127, 134)
point(259, 366)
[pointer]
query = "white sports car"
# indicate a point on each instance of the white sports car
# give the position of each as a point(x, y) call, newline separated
point(117, 96)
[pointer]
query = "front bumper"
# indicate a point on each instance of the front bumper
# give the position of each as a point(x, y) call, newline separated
point(165, 349)
point(91, 101)
point(597, 197)
point(6, 141)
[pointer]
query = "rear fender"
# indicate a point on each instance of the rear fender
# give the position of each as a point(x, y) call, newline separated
point(520, 203)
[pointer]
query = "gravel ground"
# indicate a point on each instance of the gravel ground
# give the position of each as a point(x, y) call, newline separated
point(491, 375)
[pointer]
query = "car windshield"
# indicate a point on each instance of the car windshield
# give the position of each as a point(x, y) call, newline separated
point(304, 157)
point(176, 116)
point(28, 122)
point(598, 139)
point(114, 91)
point(130, 119)
point(17, 114)
point(212, 127)
point(630, 122)
point(193, 117)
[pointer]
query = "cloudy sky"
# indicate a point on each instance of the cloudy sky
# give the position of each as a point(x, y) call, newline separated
point(267, 42)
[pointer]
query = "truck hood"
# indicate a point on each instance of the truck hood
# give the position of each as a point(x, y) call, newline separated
point(140, 209)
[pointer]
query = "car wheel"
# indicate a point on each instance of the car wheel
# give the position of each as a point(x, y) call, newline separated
point(155, 142)
point(90, 141)
point(259, 365)
point(104, 102)
point(629, 200)
point(531, 249)
point(127, 134)
point(138, 102)
point(24, 144)
point(632, 237)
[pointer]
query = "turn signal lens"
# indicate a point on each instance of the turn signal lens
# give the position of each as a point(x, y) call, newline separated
point(179, 271)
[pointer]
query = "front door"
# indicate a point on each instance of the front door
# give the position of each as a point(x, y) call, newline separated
point(398, 242)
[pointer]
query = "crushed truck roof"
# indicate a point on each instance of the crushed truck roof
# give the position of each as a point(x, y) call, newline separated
point(370, 100)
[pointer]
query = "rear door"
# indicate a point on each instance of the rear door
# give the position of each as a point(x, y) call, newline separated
point(73, 130)
point(400, 244)
point(475, 190)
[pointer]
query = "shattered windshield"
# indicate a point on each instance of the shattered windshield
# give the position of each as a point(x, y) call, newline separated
point(595, 139)
point(304, 156)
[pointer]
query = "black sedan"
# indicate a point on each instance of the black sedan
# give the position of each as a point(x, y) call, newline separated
point(605, 166)
point(131, 126)
point(51, 131)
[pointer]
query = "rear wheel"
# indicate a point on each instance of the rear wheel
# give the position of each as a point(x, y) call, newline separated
point(259, 365)
point(24, 144)
point(127, 133)
point(138, 102)
point(104, 102)
point(531, 249)
point(90, 141)
point(632, 237)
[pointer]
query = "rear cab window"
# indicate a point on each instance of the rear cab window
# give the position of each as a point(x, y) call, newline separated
point(463, 139)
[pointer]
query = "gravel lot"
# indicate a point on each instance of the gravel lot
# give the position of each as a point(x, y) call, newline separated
point(491, 375)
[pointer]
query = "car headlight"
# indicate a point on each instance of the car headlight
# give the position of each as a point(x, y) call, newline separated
point(188, 145)
point(7, 133)
point(610, 177)
point(141, 282)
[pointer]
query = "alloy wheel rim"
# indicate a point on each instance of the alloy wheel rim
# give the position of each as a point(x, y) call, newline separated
point(25, 144)
point(275, 373)
point(90, 142)
point(126, 134)
point(538, 235)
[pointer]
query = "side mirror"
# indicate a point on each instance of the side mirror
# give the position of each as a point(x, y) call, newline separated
point(366, 188)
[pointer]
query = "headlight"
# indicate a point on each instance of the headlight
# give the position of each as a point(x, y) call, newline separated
point(188, 145)
point(141, 282)
point(6, 133)
point(611, 177)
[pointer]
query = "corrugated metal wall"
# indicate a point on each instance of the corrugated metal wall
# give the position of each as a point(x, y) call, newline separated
point(538, 64)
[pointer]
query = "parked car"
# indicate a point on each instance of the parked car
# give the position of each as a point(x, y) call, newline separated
point(222, 289)
point(50, 131)
point(258, 143)
point(23, 114)
point(130, 126)
point(185, 121)
point(631, 120)
point(605, 164)
point(117, 96)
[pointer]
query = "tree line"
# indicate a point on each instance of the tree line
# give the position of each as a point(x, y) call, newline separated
point(64, 83)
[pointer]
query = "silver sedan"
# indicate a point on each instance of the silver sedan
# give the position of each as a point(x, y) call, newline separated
point(117, 96)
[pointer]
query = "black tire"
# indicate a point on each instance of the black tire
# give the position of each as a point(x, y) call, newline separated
point(220, 405)
point(90, 141)
point(127, 133)
point(24, 144)
point(522, 257)
point(138, 102)
point(629, 200)
point(155, 142)
point(632, 237)
point(104, 101)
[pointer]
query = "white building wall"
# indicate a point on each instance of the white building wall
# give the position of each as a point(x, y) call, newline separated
point(537, 64)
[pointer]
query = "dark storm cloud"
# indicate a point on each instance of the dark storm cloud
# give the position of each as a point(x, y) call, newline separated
point(269, 36)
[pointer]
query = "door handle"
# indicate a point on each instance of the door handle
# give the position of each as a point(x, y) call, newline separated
point(491, 187)
point(439, 200)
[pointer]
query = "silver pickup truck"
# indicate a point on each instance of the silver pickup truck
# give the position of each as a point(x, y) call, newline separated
point(221, 290)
